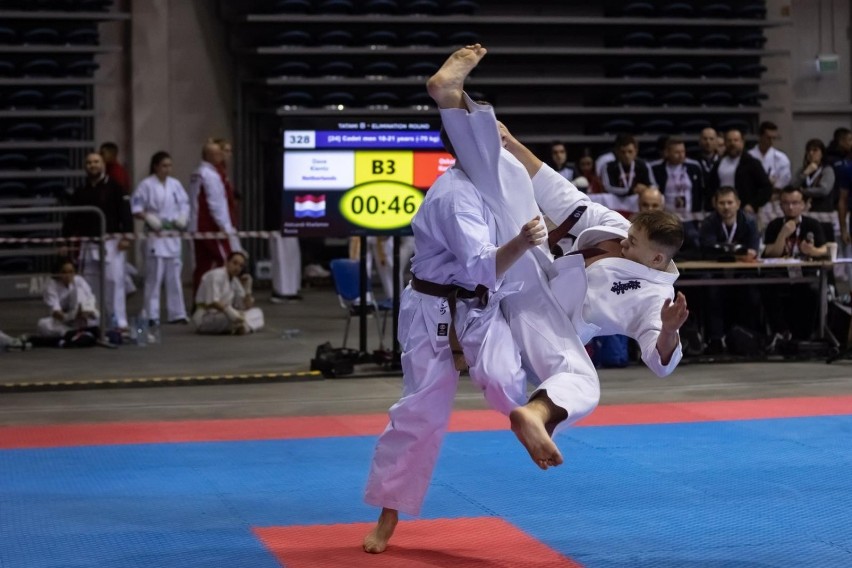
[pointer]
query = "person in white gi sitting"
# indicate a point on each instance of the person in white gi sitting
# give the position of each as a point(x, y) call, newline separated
point(161, 201)
point(224, 303)
point(72, 304)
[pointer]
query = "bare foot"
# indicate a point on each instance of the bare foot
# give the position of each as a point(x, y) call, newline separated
point(446, 85)
point(529, 426)
point(377, 539)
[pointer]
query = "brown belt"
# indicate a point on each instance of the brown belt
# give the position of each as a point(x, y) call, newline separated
point(452, 293)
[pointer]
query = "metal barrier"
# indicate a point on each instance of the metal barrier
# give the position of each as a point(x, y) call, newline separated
point(100, 240)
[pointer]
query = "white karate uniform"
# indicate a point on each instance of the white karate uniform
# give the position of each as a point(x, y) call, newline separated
point(71, 300)
point(168, 203)
point(208, 177)
point(454, 234)
point(286, 264)
point(617, 296)
point(549, 344)
point(115, 294)
point(217, 286)
point(776, 164)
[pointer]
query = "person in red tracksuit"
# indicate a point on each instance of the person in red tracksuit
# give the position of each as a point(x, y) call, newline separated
point(210, 211)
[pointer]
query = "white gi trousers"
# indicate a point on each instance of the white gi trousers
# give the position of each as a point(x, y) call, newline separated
point(550, 346)
point(214, 322)
point(286, 264)
point(115, 298)
point(159, 270)
point(408, 449)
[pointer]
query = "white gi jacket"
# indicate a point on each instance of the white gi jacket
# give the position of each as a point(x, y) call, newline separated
point(217, 286)
point(71, 300)
point(776, 164)
point(169, 203)
point(619, 296)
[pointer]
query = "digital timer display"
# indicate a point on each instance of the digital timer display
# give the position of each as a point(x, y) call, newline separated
point(353, 178)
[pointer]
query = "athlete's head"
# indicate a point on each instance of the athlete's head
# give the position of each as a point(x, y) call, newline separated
point(653, 239)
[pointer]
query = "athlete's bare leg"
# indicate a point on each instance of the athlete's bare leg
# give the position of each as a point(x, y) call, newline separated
point(377, 539)
point(533, 424)
point(447, 84)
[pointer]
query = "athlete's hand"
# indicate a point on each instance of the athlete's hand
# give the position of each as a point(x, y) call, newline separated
point(674, 314)
point(534, 232)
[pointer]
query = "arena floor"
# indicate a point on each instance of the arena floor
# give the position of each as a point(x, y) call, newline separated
point(739, 464)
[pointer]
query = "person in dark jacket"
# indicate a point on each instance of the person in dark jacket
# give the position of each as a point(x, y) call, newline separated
point(680, 180)
point(740, 170)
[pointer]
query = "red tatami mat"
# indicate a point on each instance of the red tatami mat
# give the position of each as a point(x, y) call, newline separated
point(460, 543)
point(372, 424)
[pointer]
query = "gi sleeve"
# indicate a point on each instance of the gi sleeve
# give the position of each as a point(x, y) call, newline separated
point(476, 141)
point(139, 199)
point(469, 239)
point(51, 296)
point(646, 330)
point(85, 297)
point(558, 198)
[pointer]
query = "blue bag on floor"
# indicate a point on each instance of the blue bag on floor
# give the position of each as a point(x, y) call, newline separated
point(610, 351)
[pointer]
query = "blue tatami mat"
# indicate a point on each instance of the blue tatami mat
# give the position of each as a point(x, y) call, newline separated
point(751, 493)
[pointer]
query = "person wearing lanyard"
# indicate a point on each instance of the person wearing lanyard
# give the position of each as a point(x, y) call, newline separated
point(680, 180)
point(790, 309)
point(707, 157)
point(626, 173)
point(726, 306)
point(161, 201)
point(816, 178)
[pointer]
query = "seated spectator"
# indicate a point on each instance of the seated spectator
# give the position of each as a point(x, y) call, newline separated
point(72, 304)
point(816, 178)
point(707, 157)
point(651, 199)
point(791, 309)
point(559, 160)
point(729, 232)
point(623, 175)
point(223, 303)
point(794, 235)
point(587, 179)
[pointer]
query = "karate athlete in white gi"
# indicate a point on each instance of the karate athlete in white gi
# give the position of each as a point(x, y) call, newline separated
point(549, 343)
point(71, 301)
point(455, 261)
point(163, 204)
point(224, 303)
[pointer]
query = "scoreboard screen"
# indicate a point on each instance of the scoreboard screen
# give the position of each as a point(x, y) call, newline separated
point(355, 177)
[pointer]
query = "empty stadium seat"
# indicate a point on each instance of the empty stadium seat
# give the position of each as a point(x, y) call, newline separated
point(419, 7)
point(13, 161)
point(291, 68)
point(638, 39)
point(25, 98)
point(734, 123)
point(468, 7)
point(40, 67)
point(617, 125)
point(418, 99)
point(421, 37)
point(677, 39)
point(380, 7)
point(716, 10)
point(24, 131)
point(655, 125)
point(756, 10)
point(677, 69)
point(638, 10)
point(49, 188)
point(66, 130)
point(677, 10)
point(638, 69)
point(694, 125)
point(336, 69)
point(715, 40)
point(381, 99)
point(67, 99)
point(462, 38)
point(753, 40)
point(336, 98)
point(677, 98)
point(8, 35)
point(717, 69)
point(751, 70)
point(335, 7)
point(295, 98)
point(421, 69)
point(335, 37)
point(635, 98)
point(717, 98)
point(52, 161)
point(381, 69)
point(12, 187)
point(81, 68)
point(380, 37)
point(82, 36)
point(291, 6)
point(292, 37)
point(39, 36)
point(751, 98)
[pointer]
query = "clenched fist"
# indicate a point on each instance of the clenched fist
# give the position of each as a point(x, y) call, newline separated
point(534, 232)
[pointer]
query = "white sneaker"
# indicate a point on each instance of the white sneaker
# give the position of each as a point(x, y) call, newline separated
point(316, 271)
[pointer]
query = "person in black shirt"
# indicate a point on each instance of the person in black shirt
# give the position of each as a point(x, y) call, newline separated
point(727, 306)
point(791, 309)
point(104, 193)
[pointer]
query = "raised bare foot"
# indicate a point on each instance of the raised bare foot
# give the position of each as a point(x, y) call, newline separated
point(529, 426)
point(446, 85)
point(377, 539)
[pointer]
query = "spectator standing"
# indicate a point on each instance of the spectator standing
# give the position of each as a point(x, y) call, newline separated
point(161, 201)
point(626, 172)
point(114, 169)
point(816, 178)
point(102, 192)
point(210, 212)
point(681, 181)
point(742, 171)
point(775, 163)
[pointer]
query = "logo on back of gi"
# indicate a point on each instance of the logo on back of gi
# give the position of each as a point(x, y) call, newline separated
point(443, 329)
point(622, 287)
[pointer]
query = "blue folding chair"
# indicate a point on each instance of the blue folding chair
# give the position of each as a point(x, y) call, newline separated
point(346, 274)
